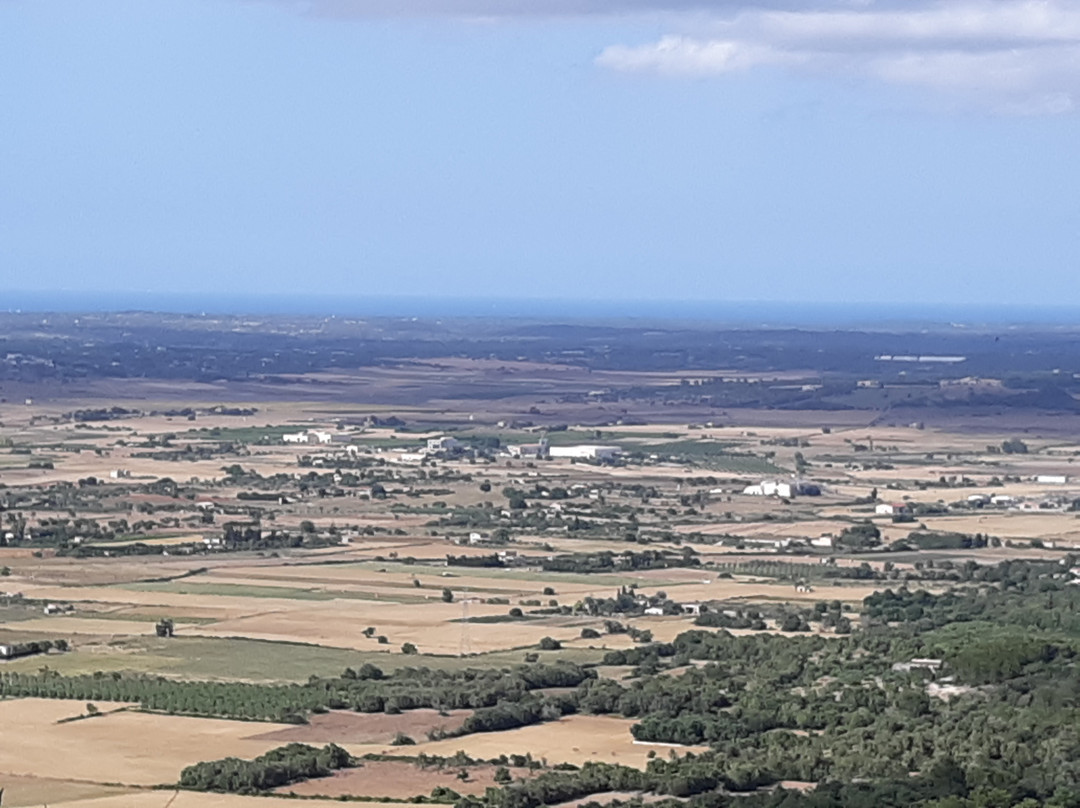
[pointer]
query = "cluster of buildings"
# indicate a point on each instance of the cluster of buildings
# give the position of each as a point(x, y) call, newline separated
point(998, 501)
point(783, 488)
point(316, 436)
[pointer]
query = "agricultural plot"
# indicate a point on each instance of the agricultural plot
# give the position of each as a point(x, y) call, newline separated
point(575, 739)
point(125, 747)
point(345, 567)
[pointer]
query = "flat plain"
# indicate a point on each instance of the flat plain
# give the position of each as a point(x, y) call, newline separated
point(167, 529)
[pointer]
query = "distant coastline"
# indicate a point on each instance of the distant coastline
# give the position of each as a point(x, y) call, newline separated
point(744, 314)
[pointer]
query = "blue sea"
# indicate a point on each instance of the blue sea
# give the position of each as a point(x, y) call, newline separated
point(753, 314)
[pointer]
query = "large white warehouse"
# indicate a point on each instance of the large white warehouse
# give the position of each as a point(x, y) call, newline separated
point(585, 452)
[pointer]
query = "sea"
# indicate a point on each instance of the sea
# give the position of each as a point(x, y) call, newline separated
point(729, 313)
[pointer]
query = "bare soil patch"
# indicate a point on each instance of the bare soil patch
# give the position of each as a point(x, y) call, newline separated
point(343, 727)
point(398, 780)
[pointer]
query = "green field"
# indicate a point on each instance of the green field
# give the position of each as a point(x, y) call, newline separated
point(713, 455)
point(240, 434)
point(258, 660)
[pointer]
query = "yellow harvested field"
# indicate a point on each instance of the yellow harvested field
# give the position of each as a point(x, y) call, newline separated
point(162, 541)
point(125, 747)
point(196, 799)
point(1059, 526)
point(339, 623)
point(575, 739)
point(735, 589)
point(33, 792)
point(67, 625)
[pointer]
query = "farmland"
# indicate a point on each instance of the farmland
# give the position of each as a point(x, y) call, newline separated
point(459, 612)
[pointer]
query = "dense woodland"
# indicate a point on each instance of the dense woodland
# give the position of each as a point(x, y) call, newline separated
point(278, 767)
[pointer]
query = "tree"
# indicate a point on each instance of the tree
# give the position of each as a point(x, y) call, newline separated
point(549, 644)
point(447, 595)
point(549, 590)
point(307, 526)
point(485, 486)
point(408, 648)
point(502, 776)
point(862, 535)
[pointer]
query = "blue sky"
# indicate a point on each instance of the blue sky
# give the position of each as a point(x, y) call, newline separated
point(628, 149)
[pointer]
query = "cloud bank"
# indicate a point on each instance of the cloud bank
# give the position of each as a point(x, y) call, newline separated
point(1008, 56)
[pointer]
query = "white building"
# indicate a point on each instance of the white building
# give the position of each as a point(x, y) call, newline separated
point(822, 541)
point(1052, 479)
point(770, 488)
point(119, 474)
point(925, 664)
point(585, 452)
point(531, 450)
point(314, 436)
point(775, 542)
point(443, 443)
point(890, 508)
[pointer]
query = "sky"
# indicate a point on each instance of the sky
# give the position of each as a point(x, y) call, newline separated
point(845, 151)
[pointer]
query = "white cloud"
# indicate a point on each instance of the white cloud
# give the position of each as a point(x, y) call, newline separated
point(679, 54)
point(1009, 56)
